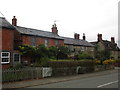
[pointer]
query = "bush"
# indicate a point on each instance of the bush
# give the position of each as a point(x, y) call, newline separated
point(62, 63)
point(97, 62)
point(17, 66)
point(59, 64)
point(109, 61)
point(83, 55)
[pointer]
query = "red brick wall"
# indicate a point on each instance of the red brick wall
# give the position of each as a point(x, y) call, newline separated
point(51, 42)
point(0, 39)
point(40, 40)
point(61, 42)
point(7, 39)
point(7, 43)
point(17, 35)
point(26, 40)
point(5, 66)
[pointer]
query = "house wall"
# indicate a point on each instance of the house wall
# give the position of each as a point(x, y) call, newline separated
point(61, 42)
point(40, 40)
point(7, 44)
point(114, 54)
point(26, 40)
point(0, 38)
point(7, 39)
point(77, 49)
point(91, 51)
point(100, 46)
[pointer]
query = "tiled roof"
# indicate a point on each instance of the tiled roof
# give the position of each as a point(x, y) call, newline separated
point(35, 32)
point(28, 31)
point(79, 42)
point(108, 45)
point(5, 24)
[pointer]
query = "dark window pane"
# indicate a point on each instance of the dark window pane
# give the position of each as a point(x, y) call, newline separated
point(5, 59)
point(16, 57)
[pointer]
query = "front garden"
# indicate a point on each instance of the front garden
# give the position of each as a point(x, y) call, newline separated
point(54, 61)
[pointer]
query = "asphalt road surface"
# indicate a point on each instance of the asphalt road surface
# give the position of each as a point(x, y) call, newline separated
point(104, 81)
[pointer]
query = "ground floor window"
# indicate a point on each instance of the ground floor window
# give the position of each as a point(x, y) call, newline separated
point(16, 57)
point(5, 57)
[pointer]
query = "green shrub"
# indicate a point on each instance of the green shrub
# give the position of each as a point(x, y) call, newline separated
point(62, 63)
point(88, 64)
point(83, 55)
point(17, 66)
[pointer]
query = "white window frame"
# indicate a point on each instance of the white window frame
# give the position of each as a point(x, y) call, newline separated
point(56, 42)
point(46, 42)
point(14, 58)
point(5, 57)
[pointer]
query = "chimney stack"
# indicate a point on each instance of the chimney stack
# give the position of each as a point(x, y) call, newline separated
point(54, 29)
point(99, 37)
point(76, 36)
point(84, 38)
point(14, 21)
point(112, 39)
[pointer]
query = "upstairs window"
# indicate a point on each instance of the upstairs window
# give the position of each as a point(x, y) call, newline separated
point(57, 42)
point(46, 42)
point(33, 41)
point(5, 57)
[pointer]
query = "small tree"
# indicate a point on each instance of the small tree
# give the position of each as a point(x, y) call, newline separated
point(28, 51)
point(103, 55)
point(63, 52)
point(53, 52)
point(35, 53)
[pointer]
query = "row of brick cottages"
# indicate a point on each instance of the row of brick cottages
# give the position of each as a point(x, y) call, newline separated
point(12, 36)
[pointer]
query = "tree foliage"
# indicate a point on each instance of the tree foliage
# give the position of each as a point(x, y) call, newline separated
point(39, 53)
point(83, 55)
point(103, 55)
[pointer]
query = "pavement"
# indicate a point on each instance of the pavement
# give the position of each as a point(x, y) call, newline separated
point(49, 80)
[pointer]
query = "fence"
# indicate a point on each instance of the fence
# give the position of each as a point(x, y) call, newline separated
point(103, 67)
point(41, 72)
point(21, 74)
point(64, 71)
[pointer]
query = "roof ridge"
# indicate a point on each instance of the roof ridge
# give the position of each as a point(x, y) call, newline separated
point(33, 29)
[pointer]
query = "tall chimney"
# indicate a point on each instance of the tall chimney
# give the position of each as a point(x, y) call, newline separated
point(84, 38)
point(14, 21)
point(76, 36)
point(112, 39)
point(54, 29)
point(99, 37)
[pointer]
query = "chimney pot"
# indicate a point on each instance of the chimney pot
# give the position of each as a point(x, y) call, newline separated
point(14, 21)
point(76, 36)
point(54, 29)
point(99, 37)
point(84, 38)
point(112, 39)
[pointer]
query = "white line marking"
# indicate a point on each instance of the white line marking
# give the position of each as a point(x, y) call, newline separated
point(107, 84)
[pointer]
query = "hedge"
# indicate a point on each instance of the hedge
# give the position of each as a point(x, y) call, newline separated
point(71, 63)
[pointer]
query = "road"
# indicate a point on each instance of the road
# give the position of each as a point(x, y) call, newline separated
point(103, 81)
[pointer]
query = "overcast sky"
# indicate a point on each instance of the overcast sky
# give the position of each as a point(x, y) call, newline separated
point(73, 16)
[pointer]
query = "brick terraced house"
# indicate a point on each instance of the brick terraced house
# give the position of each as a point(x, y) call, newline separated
point(12, 36)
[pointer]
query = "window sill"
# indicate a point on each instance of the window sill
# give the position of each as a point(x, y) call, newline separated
point(5, 62)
